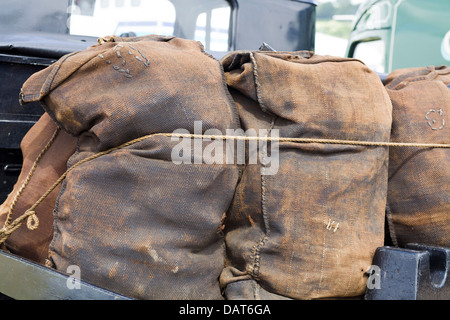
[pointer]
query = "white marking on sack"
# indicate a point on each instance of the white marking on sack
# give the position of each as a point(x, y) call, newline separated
point(434, 123)
point(332, 225)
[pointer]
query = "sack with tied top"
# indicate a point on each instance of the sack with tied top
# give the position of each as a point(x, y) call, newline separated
point(130, 218)
point(309, 229)
point(418, 200)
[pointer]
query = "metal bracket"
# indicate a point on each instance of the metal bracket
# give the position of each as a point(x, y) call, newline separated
point(266, 47)
point(416, 272)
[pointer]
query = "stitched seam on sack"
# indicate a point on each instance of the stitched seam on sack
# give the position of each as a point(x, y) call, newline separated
point(48, 82)
point(422, 78)
point(256, 256)
point(257, 84)
point(263, 183)
point(42, 91)
point(263, 176)
point(257, 247)
point(405, 76)
point(255, 288)
point(303, 61)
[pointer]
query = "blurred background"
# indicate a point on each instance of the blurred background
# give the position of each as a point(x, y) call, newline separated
point(384, 34)
point(334, 19)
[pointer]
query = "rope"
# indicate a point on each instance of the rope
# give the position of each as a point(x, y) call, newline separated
point(28, 178)
point(33, 221)
point(306, 140)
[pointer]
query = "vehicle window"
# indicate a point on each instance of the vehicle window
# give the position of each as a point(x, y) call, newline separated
point(445, 46)
point(212, 29)
point(204, 21)
point(372, 53)
point(121, 17)
point(376, 17)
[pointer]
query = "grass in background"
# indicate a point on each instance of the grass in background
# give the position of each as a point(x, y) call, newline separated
point(335, 28)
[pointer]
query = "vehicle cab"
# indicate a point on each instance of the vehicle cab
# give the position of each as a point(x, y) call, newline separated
point(395, 34)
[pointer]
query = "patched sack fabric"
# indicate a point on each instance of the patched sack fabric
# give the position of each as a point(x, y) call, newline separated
point(132, 220)
point(419, 178)
point(45, 149)
point(309, 229)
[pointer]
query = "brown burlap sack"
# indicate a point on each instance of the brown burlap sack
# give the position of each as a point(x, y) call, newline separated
point(53, 147)
point(132, 220)
point(419, 179)
point(309, 230)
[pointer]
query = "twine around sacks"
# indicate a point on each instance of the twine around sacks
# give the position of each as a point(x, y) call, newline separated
point(33, 221)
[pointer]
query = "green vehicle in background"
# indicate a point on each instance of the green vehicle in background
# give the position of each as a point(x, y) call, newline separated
point(395, 34)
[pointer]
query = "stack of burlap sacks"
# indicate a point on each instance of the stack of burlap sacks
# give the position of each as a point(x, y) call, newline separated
point(137, 223)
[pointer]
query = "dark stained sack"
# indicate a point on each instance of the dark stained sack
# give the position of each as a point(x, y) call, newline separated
point(52, 162)
point(310, 230)
point(419, 178)
point(132, 220)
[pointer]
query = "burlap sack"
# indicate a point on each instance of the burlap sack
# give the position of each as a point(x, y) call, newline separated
point(132, 220)
point(310, 230)
point(419, 178)
point(52, 162)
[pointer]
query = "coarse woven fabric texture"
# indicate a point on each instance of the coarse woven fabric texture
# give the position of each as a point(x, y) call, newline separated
point(308, 231)
point(134, 221)
point(34, 244)
point(419, 179)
